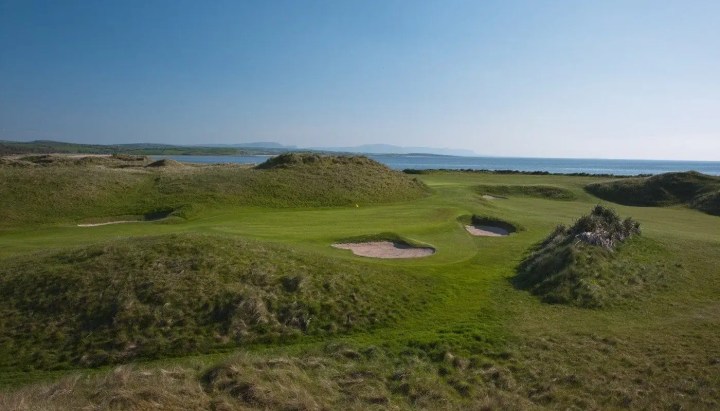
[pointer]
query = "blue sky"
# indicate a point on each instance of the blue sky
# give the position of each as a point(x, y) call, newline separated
point(605, 79)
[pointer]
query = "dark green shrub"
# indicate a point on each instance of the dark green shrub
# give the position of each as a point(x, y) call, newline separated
point(699, 191)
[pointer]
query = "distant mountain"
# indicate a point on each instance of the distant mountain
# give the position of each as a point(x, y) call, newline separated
point(259, 144)
point(262, 147)
point(391, 149)
point(361, 149)
point(49, 146)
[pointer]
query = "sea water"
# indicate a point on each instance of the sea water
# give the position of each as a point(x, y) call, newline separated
point(551, 165)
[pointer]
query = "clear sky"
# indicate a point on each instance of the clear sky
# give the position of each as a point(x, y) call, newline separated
point(600, 79)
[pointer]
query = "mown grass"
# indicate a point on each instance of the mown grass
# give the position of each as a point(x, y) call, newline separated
point(476, 341)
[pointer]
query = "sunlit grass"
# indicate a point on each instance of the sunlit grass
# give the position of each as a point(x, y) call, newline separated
point(473, 340)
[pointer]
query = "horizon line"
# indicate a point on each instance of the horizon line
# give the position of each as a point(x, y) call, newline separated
point(330, 149)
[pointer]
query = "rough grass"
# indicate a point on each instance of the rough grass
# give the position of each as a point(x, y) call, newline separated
point(67, 192)
point(535, 190)
point(336, 377)
point(339, 376)
point(707, 203)
point(690, 188)
point(180, 294)
point(475, 343)
point(291, 160)
point(587, 264)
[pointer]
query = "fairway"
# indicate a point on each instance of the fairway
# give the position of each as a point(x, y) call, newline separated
point(649, 349)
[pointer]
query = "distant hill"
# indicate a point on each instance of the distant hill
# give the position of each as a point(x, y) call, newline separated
point(49, 146)
point(259, 144)
point(392, 149)
point(261, 147)
point(361, 149)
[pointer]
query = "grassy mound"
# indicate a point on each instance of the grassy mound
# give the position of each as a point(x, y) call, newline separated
point(540, 191)
point(691, 188)
point(707, 203)
point(165, 162)
point(588, 265)
point(70, 192)
point(289, 160)
point(179, 294)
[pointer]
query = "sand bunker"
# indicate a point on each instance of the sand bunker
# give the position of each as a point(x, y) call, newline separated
point(486, 231)
point(146, 218)
point(110, 222)
point(491, 198)
point(386, 249)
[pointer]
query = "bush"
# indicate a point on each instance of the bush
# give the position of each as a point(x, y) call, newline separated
point(572, 264)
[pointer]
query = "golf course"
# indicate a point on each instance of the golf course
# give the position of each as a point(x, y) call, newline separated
point(333, 282)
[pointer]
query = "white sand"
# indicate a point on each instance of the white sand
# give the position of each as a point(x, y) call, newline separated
point(386, 249)
point(110, 222)
point(486, 231)
point(491, 198)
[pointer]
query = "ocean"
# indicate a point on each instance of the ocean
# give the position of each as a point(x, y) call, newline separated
point(551, 165)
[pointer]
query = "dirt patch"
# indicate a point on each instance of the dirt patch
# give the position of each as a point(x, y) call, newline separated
point(386, 249)
point(487, 231)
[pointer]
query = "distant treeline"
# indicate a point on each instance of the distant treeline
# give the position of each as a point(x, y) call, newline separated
point(532, 173)
point(47, 146)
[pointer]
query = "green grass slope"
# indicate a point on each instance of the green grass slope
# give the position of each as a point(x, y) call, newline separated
point(588, 265)
point(699, 191)
point(179, 294)
point(69, 190)
point(465, 337)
